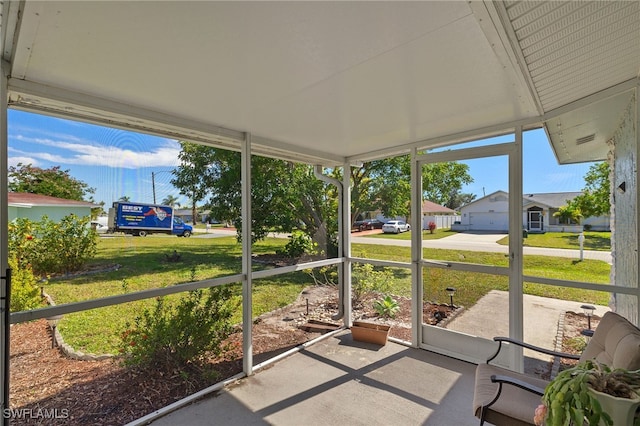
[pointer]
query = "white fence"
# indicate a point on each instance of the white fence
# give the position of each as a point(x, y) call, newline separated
point(441, 221)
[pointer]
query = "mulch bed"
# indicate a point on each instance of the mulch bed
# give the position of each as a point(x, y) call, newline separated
point(573, 341)
point(106, 393)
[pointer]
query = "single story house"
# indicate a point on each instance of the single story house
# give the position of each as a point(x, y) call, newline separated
point(442, 216)
point(185, 214)
point(34, 206)
point(491, 213)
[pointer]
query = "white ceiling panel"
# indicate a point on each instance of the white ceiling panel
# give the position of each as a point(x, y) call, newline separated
point(325, 80)
point(574, 49)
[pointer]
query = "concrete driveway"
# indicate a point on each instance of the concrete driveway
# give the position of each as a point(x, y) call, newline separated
point(487, 242)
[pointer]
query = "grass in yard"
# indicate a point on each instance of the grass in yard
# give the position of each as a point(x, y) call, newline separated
point(204, 225)
point(426, 235)
point(472, 286)
point(143, 266)
point(600, 241)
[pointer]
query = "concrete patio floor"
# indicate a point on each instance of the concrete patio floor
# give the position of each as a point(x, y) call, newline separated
point(339, 381)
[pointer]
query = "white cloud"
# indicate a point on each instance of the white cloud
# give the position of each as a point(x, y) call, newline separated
point(14, 160)
point(87, 154)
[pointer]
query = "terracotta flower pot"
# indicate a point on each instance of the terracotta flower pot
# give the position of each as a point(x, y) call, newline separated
point(370, 332)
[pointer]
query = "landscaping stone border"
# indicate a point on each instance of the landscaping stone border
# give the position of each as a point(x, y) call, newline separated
point(67, 349)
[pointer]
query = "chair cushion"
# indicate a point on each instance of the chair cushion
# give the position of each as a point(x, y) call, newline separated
point(615, 342)
point(518, 405)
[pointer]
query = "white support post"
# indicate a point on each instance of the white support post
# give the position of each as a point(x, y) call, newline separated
point(416, 250)
point(515, 249)
point(637, 190)
point(345, 239)
point(247, 290)
point(4, 264)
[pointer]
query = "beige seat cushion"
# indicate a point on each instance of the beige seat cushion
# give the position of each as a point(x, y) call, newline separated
point(616, 342)
point(514, 405)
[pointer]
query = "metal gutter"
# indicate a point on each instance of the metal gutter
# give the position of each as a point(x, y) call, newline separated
point(317, 171)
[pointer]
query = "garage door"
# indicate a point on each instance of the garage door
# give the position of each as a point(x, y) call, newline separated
point(482, 221)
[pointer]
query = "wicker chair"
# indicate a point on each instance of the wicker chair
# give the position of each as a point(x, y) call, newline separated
point(504, 397)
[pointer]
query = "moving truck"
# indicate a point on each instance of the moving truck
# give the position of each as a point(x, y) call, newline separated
point(141, 219)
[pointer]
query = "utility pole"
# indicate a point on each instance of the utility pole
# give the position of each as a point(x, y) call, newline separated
point(153, 186)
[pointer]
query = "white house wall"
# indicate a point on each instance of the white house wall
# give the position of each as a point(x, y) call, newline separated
point(488, 214)
point(624, 242)
point(56, 214)
point(599, 223)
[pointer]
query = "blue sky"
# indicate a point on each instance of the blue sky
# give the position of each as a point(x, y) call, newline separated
point(118, 163)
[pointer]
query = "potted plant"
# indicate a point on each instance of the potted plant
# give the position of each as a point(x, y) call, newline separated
point(362, 331)
point(591, 393)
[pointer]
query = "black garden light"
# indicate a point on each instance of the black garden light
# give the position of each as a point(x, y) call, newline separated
point(450, 291)
point(53, 323)
point(588, 311)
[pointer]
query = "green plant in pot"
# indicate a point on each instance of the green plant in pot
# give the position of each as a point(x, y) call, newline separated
point(582, 394)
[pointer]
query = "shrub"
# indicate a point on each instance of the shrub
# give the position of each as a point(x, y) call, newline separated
point(432, 227)
point(180, 335)
point(299, 244)
point(365, 280)
point(386, 307)
point(50, 246)
point(21, 243)
point(25, 293)
point(325, 275)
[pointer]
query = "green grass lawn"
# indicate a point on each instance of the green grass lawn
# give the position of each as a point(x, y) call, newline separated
point(143, 266)
point(200, 225)
point(426, 235)
point(563, 240)
point(472, 286)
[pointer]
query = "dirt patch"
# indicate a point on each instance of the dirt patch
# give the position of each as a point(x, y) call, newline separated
point(106, 393)
point(320, 303)
point(573, 341)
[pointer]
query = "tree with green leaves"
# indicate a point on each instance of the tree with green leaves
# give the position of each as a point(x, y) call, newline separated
point(124, 199)
point(285, 196)
point(457, 199)
point(595, 197)
point(442, 182)
point(386, 185)
point(53, 182)
point(569, 214)
point(192, 176)
point(369, 183)
point(170, 200)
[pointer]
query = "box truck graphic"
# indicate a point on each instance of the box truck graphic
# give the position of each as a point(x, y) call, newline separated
point(142, 219)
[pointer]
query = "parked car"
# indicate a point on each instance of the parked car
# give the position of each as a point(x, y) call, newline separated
point(99, 227)
point(366, 224)
point(395, 227)
point(357, 225)
point(372, 224)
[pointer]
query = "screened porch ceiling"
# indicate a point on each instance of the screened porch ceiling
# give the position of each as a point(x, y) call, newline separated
point(330, 82)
